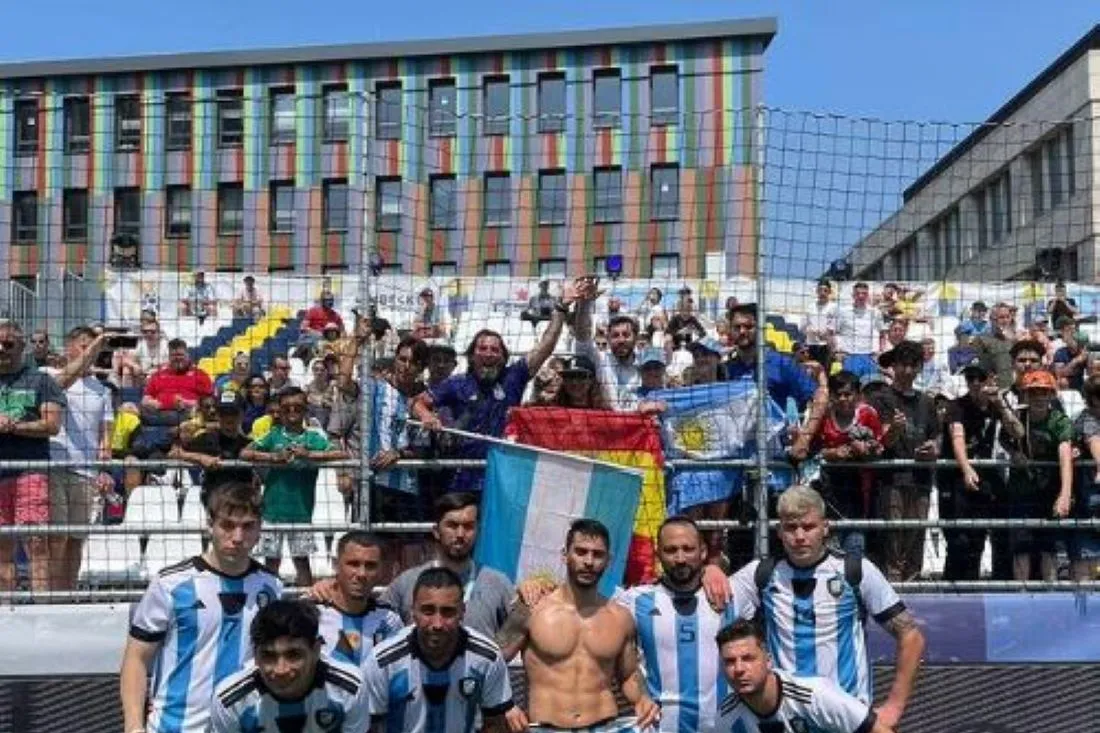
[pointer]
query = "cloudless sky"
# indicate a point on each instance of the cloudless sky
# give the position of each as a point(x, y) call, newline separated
point(942, 60)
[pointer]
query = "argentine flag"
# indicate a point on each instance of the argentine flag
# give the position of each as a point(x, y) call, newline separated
point(532, 496)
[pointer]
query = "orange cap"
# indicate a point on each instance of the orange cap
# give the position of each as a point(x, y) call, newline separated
point(1039, 379)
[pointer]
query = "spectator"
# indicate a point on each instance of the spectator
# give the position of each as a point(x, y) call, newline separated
point(263, 424)
point(819, 324)
point(1070, 360)
point(974, 423)
point(652, 364)
point(237, 377)
point(932, 374)
point(442, 362)
point(175, 389)
point(889, 303)
point(1084, 544)
point(540, 307)
point(429, 321)
point(204, 415)
point(32, 409)
point(478, 401)
point(41, 354)
point(152, 352)
point(200, 301)
point(851, 433)
point(616, 369)
point(911, 432)
point(319, 389)
point(897, 330)
point(1061, 306)
point(978, 323)
point(319, 316)
point(1039, 332)
point(85, 436)
point(961, 353)
point(995, 347)
point(1092, 371)
point(150, 301)
point(249, 303)
point(685, 324)
point(706, 357)
point(857, 333)
point(546, 385)
point(255, 393)
point(579, 387)
point(280, 378)
point(220, 439)
point(290, 487)
point(651, 312)
point(1037, 491)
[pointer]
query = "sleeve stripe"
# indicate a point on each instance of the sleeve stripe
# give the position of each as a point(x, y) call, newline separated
point(868, 723)
point(499, 709)
point(890, 612)
point(149, 636)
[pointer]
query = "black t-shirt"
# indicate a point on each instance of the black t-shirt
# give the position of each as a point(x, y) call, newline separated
point(979, 426)
point(923, 425)
point(225, 447)
point(22, 395)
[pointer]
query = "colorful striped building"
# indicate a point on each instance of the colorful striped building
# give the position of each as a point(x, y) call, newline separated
point(516, 155)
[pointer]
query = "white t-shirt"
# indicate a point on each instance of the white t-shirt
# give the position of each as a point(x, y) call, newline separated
point(805, 704)
point(89, 411)
point(820, 319)
point(858, 329)
point(151, 359)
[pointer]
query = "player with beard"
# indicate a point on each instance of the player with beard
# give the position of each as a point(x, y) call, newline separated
point(618, 371)
point(578, 646)
point(479, 399)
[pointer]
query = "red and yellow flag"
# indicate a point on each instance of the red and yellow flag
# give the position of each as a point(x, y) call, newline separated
point(624, 438)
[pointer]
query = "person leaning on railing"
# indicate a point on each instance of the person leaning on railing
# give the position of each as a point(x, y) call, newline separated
point(1084, 544)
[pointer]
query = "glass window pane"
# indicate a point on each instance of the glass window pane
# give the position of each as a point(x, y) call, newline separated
point(336, 206)
point(665, 193)
point(388, 112)
point(664, 93)
point(551, 102)
point(608, 194)
point(442, 213)
point(607, 98)
point(498, 205)
point(553, 203)
point(497, 106)
point(441, 108)
point(283, 114)
point(337, 114)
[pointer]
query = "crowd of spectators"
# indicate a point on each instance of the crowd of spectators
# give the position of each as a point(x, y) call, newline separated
point(864, 379)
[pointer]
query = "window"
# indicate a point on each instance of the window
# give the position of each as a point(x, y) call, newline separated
point(74, 206)
point(77, 125)
point(230, 118)
point(442, 211)
point(665, 265)
point(337, 109)
point(608, 184)
point(282, 207)
point(24, 217)
point(1035, 170)
point(1000, 206)
point(981, 214)
point(388, 113)
point(335, 203)
point(551, 90)
point(497, 104)
point(128, 211)
point(283, 113)
point(178, 127)
point(128, 122)
point(664, 95)
point(441, 107)
point(444, 269)
point(607, 97)
point(177, 222)
point(501, 268)
point(551, 268)
point(498, 200)
point(1059, 155)
point(952, 241)
point(664, 183)
point(392, 268)
point(26, 126)
point(387, 209)
point(230, 208)
point(553, 198)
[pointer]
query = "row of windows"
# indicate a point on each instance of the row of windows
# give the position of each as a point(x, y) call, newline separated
point(178, 211)
point(336, 111)
point(1053, 171)
point(662, 265)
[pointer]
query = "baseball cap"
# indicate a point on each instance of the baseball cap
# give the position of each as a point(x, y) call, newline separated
point(908, 352)
point(249, 279)
point(1063, 322)
point(869, 380)
point(979, 367)
point(652, 355)
point(1040, 379)
point(579, 365)
point(979, 305)
point(229, 401)
point(710, 344)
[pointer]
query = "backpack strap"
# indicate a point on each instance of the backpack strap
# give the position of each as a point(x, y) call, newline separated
point(853, 574)
point(763, 574)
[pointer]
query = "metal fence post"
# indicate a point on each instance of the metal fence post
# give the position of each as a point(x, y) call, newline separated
point(761, 498)
point(367, 252)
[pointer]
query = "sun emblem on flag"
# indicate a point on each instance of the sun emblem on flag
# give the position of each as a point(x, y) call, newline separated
point(691, 435)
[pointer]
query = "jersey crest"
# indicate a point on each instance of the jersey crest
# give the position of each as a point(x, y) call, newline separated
point(470, 688)
point(835, 585)
point(799, 725)
point(329, 719)
point(349, 643)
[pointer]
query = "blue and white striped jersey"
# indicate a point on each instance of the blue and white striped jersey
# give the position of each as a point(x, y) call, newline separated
point(676, 640)
point(412, 697)
point(806, 705)
point(389, 416)
point(814, 620)
point(335, 703)
point(350, 637)
point(201, 618)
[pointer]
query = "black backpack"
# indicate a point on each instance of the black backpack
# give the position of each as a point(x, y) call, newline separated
point(853, 574)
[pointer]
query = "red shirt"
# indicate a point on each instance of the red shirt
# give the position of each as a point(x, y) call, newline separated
point(319, 316)
point(167, 384)
point(865, 424)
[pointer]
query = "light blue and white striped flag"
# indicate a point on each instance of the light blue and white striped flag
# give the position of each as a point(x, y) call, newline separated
point(532, 496)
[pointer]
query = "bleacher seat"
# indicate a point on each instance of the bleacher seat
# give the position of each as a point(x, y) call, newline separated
point(111, 560)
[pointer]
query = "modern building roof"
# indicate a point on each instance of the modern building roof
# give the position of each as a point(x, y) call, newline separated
point(1088, 42)
point(764, 28)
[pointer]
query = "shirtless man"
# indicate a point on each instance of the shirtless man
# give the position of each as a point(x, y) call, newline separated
point(578, 645)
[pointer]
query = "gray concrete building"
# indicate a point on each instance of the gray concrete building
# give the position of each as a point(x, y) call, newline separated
point(1017, 199)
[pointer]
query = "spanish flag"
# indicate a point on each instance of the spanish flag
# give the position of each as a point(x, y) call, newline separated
point(624, 438)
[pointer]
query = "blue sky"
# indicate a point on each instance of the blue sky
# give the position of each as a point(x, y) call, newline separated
point(940, 60)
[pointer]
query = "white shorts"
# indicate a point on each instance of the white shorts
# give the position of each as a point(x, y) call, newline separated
point(300, 544)
point(72, 497)
point(625, 724)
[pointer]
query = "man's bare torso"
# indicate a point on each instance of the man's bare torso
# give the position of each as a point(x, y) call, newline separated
point(572, 661)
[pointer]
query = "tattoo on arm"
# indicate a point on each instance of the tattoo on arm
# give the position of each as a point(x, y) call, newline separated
point(900, 624)
point(513, 633)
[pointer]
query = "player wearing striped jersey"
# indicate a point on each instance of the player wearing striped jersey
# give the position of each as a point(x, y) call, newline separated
point(676, 627)
point(290, 686)
point(192, 622)
point(439, 676)
point(813, 602)
point(767, 701)
point(353, 622)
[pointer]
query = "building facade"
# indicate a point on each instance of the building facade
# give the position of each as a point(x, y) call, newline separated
point(1017, 199)
point(519, 155)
